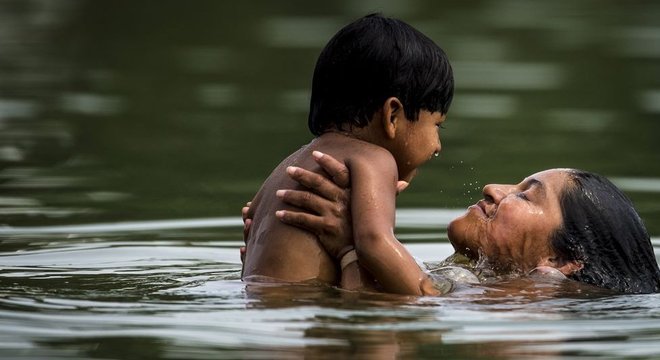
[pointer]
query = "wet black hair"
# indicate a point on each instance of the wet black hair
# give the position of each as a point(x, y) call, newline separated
point(602, 231)
point(370, 60)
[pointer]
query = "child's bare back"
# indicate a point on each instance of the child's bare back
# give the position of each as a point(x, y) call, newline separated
point(286, 253)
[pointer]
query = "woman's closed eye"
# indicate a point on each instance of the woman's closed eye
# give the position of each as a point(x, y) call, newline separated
point(523, 196)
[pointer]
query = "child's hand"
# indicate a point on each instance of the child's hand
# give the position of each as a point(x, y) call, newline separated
point(403, 184)
point(400, 186)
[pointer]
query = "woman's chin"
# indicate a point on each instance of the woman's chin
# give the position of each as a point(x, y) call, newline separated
point(460, 238)
point(463, 247)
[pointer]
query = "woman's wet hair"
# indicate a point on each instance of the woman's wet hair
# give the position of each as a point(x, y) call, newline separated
point(370, 60)
point(602, 231)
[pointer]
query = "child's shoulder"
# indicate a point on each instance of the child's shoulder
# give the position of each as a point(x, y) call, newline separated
point(372, 152)
point(352, 148)
point(365, 155)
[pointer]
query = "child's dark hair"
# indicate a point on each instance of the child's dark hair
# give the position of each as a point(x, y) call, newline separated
point(370, 60)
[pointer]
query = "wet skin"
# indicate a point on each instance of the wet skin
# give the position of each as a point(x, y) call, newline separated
point(512, 225)
point(387, 150)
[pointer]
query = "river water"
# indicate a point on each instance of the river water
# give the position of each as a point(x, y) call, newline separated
point(131, 133)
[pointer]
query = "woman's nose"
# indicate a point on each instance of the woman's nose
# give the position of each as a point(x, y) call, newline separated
point(496, 192)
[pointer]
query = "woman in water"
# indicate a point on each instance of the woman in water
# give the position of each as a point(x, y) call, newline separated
point(562, 221)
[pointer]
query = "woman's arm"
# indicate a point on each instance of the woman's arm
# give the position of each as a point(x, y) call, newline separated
point(387, 259)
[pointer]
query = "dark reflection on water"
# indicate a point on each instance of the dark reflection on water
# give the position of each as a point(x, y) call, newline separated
point(124, 111)
point(177, 293)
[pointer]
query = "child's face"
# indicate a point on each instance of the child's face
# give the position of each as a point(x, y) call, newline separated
point(419, 142)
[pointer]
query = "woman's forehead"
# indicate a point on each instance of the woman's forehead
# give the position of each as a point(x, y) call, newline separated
point(551, 182)
point(551, 177)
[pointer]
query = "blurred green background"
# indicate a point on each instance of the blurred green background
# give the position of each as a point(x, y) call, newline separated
point(137, 110)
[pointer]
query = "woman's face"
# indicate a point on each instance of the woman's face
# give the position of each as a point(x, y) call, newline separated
point(512, 225)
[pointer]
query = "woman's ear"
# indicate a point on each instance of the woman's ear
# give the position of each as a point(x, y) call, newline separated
point(570, 267)
point(567, 268)
point(392, 116)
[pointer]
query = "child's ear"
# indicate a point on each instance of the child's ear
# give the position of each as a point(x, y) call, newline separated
point(392, 116)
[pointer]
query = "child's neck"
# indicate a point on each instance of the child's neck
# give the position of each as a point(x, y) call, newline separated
point(366, 133)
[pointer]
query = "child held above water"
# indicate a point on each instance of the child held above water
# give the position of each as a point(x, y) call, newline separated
point(381, 90)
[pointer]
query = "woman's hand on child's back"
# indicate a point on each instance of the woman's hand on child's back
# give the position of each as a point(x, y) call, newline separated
point(326, 206)
point(246, 229)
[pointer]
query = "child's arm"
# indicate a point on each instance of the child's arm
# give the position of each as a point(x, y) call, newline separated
point(373, 201)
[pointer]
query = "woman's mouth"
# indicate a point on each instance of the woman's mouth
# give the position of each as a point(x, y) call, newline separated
point(479, 208)
point(483, 206)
